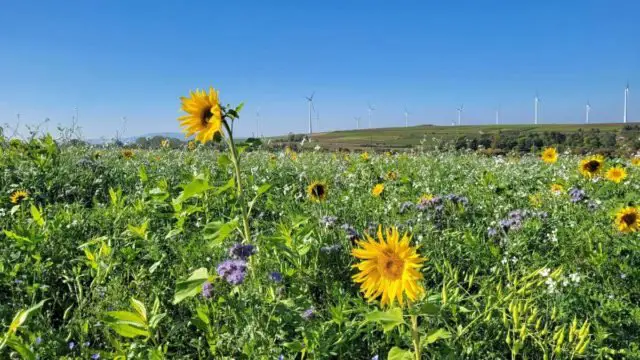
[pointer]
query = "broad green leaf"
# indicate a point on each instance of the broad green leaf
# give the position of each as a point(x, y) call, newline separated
point(398, 354)
point(125, 317)
point(196, 187)
point(263, 189)
point(155, 320)
point(22, 316)
point(435, 335)
point(142, 174)
point(37, 215)
point(217, 231)
point(197, 322)
point(230, 184)
point(139, 307)
point(223, 160)
point(155, 265)
point(24, 352)
point(192, 286)
point(429, 308)
point(20, 239)
point(388, 319)
point(127, 330)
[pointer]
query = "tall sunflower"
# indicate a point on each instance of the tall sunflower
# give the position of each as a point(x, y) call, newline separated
point(18, 196)
point(557, 189)
point(317, 191)
point(392, 175)
point(628, 219)
point(377, 190)
point(635, 161)
point(616, 174)
point(549, 155)
point(204, 115)
point(591, 166)
point(364, 156)
point(127, 153)
point(390, 268)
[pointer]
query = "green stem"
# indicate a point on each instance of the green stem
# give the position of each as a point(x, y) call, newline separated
point(240, 194)
point(415, 336)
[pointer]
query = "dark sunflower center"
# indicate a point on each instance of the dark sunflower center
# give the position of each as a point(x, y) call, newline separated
point(206, 115)
point(318, 190)
point(592, 166)
point(630, 219)
point(392, 265)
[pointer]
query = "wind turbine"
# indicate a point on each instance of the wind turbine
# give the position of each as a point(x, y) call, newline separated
point(460, 113)
point(357, 118)
point(258, 122)
point(310, 101)
point(536, 100)
point(498, 115)
point(371, 109)
point(587, 111)
point(406, 117)
point(626, 97)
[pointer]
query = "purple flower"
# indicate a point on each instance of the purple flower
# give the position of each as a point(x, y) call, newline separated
point(242, 251)
point(352, 234)
point(592, 205)
point(375, 357)
point(491, 232)
point(405, 206)
point(71, 345)
point(38, 340)
point(207, 290)
point(281, 357)
point(328, 220)
point(233, 271)
point(95, 356)
point(276, 277)
point(86, 344)
point(309, 314)
point(577, 195)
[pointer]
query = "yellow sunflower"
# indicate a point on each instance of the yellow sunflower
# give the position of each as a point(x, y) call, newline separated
point(635, 161)
point(364, 156)
point(377, 190)
point(127, 153)
point(616, 174)
point(628, 219)
point(557, 189)
point(317, 191)
point(392, 175)
point(164, 143)
point(535, 200)
point(390, 268)
point(425, 197)
point(18, 196)
point(204, 115)
point(191, 145)
point(549, 155)
point(591, 166)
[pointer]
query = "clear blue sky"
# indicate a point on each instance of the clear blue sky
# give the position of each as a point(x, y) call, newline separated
point(135, 58)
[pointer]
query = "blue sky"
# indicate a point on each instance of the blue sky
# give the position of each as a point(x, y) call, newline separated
point(135, 58)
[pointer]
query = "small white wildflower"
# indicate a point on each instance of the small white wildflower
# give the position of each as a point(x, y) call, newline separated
point(504, 261)
point(544, 272)
point(623, 276)
point(575, 277)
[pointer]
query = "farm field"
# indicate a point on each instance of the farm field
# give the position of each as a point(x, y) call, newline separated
point(112, 253)
point(403, 137)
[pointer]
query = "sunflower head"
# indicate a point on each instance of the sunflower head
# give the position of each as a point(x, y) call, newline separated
point(425, 198)
point(317, 191)
point(535, 200)
point(127, 153)
point(18, 196)
point(204, 115)
point(364, 156)
point(164, 143)
point(635, 161)
point(557, 189)
point(591, 166)
point(549, 155)
point(392, 175)
point(377, 190)
point(191, 145)
point(616, 174)
point(389, 268)
point(628, 219)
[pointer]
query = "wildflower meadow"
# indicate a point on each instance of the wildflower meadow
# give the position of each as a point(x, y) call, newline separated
point(244, 253)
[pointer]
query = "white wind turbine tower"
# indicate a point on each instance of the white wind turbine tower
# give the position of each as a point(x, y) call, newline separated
point(460, 114)
point(536, 100)
point(587, 111)
point(406, 117)
point(626, 99)
point(498, 115)
point(258, 122)
point(371, 109)
point(310, 101)
point(357, 118)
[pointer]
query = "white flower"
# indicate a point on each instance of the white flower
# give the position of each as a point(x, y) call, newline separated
point(544, 272)
point(623, 276)
point(317, 148)
point(575, 277)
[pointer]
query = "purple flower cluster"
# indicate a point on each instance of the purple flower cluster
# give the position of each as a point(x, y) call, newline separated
point(233, 271)
point(207, 290)
point(328, 220)
point(242, 251)
point(437, 202)
point(352, 233)
point(309, 314)
point(514, 221)
point(577, 195)
point(405, 206)
point(457, 199)
point(276, 277)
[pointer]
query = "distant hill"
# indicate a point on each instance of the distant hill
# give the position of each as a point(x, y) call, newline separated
point(132, 139)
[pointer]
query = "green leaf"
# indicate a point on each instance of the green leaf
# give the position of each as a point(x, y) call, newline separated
point(142, 174)
point(388, 319)
point(398, 354)
point(20, 239)
point(37, 215)
point(127, 330)
point(22, 316)
point(223, 160)
point(435, 335)
point(218, 231)
point(24, 352)
point(197, 322)
point(229, 185)
point(196, 187)
point(155, 320)
point(263, 189)
point(139, 307)
point(429, 308)
point(192, 286)
point(125, 317)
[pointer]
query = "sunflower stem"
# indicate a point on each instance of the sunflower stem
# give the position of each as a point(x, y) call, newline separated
point(415, 336)
point(239, 192)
